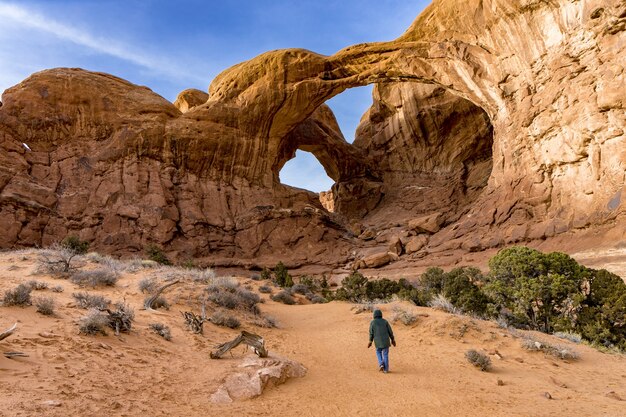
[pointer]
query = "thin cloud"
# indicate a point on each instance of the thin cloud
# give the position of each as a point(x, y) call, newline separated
point(33, 20)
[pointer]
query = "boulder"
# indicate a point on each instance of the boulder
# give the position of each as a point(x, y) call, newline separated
point(415, 244)
point(426, 224)
point(255, 375)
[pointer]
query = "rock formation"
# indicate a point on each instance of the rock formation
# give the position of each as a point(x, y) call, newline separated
point(501, 120)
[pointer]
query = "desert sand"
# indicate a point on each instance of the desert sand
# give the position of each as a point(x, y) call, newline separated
point(139, 373)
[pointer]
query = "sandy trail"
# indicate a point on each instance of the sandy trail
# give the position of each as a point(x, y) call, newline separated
point(141, 374)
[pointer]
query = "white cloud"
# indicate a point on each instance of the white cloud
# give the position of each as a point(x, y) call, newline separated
point(32, 20)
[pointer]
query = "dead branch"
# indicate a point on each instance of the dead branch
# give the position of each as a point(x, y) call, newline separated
point(8, 332)
point(255, 341)
point(193, 322)
point(150, 301)
point(11, 355)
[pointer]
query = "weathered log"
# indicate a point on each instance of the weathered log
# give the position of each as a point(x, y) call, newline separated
point(194, 322)
point(150, 301)
point(11, 355)
point(8, 332)
point(255, 341)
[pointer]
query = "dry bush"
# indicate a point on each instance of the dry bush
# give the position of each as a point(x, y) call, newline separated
point(440, 302)
point(572, 337)
point(227, 293)
point(478, 359)
point(114, 265)
point(364, 308)
point(203, 276)
point(267, 322)
point(315, 298)
point(56, 260)
point(162, 330)
point(558, 351)
point(57, 288)
point(86, 301)
point(45, 305)
point(265, 289)
point(222, 283)
point(299, 289)
point(406, 317)
point(37, 285)
point(121, 318)
point(95, 322)
point(18, 296)
point(222, 318)
point(95, 278)
point(283, 297)
point(148, 285)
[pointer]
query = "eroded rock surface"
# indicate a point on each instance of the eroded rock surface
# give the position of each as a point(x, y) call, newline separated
point(505, 118)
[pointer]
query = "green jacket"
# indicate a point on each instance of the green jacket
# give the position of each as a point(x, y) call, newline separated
point(380, 331)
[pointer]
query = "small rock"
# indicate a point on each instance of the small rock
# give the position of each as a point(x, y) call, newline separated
point(613, 395)
point(547, 395)
point(557, 382)
point(47, 335)
point(53, 403)
point(104, 346)
point(500, 383)
point(520, 360)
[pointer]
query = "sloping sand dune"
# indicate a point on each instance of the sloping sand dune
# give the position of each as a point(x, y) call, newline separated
point(141, 374)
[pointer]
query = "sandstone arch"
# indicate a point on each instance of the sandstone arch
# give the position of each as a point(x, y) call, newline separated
point(121, 166)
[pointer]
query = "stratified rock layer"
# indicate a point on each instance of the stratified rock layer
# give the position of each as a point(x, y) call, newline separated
point(503, 120)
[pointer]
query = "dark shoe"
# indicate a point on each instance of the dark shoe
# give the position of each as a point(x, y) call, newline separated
point(381, 368)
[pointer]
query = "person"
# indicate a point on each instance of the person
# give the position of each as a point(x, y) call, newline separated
point(381, 334)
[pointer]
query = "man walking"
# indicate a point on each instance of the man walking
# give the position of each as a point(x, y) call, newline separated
point(381, 334)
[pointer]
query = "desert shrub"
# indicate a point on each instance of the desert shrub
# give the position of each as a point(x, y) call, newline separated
point(268, 322)
point(18, 296)
point(37, 285)
point(572, 337)
point(283, 297)
point(353, 288)
point(157, 255)
point(478, 359)
point(57, 260)
point(218, 284)
point(95, 278)
point(266, 274)
point(247, 299)
point(121, 318)
point(203, 276)
point(404, 316)
point(57, 288)
point(95, 322)
point(281, 276)
point(222, 318)
point(381, 289)
point(542, 291)
point(264, 289)
point(224, 299)
point(45, 305)
point(74, 244)
point(316, 298)
point(299, 289)
point(87, 301)
point(431, 283)
point(440, 302)
point(602, 318)
point(367, 307)
point(148, 285)
point(459, 286)
point(255, 277)
point(558, 351)
point(162, 330)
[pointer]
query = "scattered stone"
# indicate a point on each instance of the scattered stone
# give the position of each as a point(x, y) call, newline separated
point(415, 244)
point(500, 382)
point(614, 395)
point(547, 395)
point(47, 335)
point(53, 403)
point(557, 382)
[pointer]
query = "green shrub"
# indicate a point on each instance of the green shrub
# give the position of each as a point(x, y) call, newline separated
point(156, 254)
point(459, 286)
point(74, 244)
point(281, 276)
point(266, 274)
point(353, 288)
point(542, 291)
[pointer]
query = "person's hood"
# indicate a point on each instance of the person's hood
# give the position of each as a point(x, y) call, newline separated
point(378, 314)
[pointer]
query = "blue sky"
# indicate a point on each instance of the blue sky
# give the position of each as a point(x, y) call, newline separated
point(172, 45)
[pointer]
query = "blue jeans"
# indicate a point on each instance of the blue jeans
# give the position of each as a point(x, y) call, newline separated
point(383, 357)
